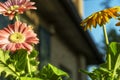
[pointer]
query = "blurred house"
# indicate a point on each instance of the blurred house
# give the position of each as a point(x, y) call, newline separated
point(62, 40)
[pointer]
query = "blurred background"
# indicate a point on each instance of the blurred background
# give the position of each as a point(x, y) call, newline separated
point(63, 42)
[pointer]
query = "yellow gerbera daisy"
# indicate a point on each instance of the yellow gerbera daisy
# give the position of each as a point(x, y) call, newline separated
point(100, 18)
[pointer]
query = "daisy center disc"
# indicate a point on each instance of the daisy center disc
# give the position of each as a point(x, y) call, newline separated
point(17, 37)
point(14, 7)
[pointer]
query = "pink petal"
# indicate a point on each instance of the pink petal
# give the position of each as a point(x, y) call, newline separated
point(8, 47)
point(32, 40)
point(4, 41)
point(2, 7)
point(12, 48)
point(22, 28)
point(3, 46)
point(27, 46)
point(17, 25)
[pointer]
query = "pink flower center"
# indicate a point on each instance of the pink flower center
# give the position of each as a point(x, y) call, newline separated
point(17, 37)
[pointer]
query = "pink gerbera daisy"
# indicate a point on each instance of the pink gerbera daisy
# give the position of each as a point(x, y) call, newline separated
point(12, 7)
point(17, 36)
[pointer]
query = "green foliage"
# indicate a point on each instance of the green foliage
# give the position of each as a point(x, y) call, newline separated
point(115, 55)
point(50, 72)
point(115, 58)
point(19, 59)
point(4, 67)
point(102, 72)
point(24, 63)
point(33, 61)
point(28, 78)
point(23, 66)
point(98, 74)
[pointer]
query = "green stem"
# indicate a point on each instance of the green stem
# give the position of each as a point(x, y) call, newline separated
point(105, 35)
point(102, 78)
point(28, 65)
point(107, 44)
point(16, 17)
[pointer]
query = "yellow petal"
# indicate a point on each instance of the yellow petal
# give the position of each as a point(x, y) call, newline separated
point(117, 24)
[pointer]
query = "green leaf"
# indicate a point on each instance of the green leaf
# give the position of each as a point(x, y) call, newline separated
point(117, 76)
point(33, 61)
point(94, 75)
point(4, 55)
point(115, 56)
point(33, 54)
point(57, 71)
point(84, 71)
point(28, 78)
point(9, 69)
point(25, 63)
point(51, 72)
point(20, 59)
point(98, 74)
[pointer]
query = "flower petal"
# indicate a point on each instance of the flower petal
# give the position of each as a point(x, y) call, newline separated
point(17, 36)
point(12, 7)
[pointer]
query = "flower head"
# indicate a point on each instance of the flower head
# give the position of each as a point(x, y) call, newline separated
point(12, 7)
point(100, 18)
point(17, 36)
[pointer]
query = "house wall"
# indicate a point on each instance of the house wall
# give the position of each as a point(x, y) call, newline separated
point(81, 65)
point(79, 6)
point(62, 56)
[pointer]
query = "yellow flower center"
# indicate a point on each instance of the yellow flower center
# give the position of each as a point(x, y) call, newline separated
point(17, 37)
point(14, 7)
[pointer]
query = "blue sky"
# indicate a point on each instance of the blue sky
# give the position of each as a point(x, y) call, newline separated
point(91, 6)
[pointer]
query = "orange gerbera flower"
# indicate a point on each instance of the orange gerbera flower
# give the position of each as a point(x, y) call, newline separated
point(17, 36)
point(11, 7)
point(100, 18)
